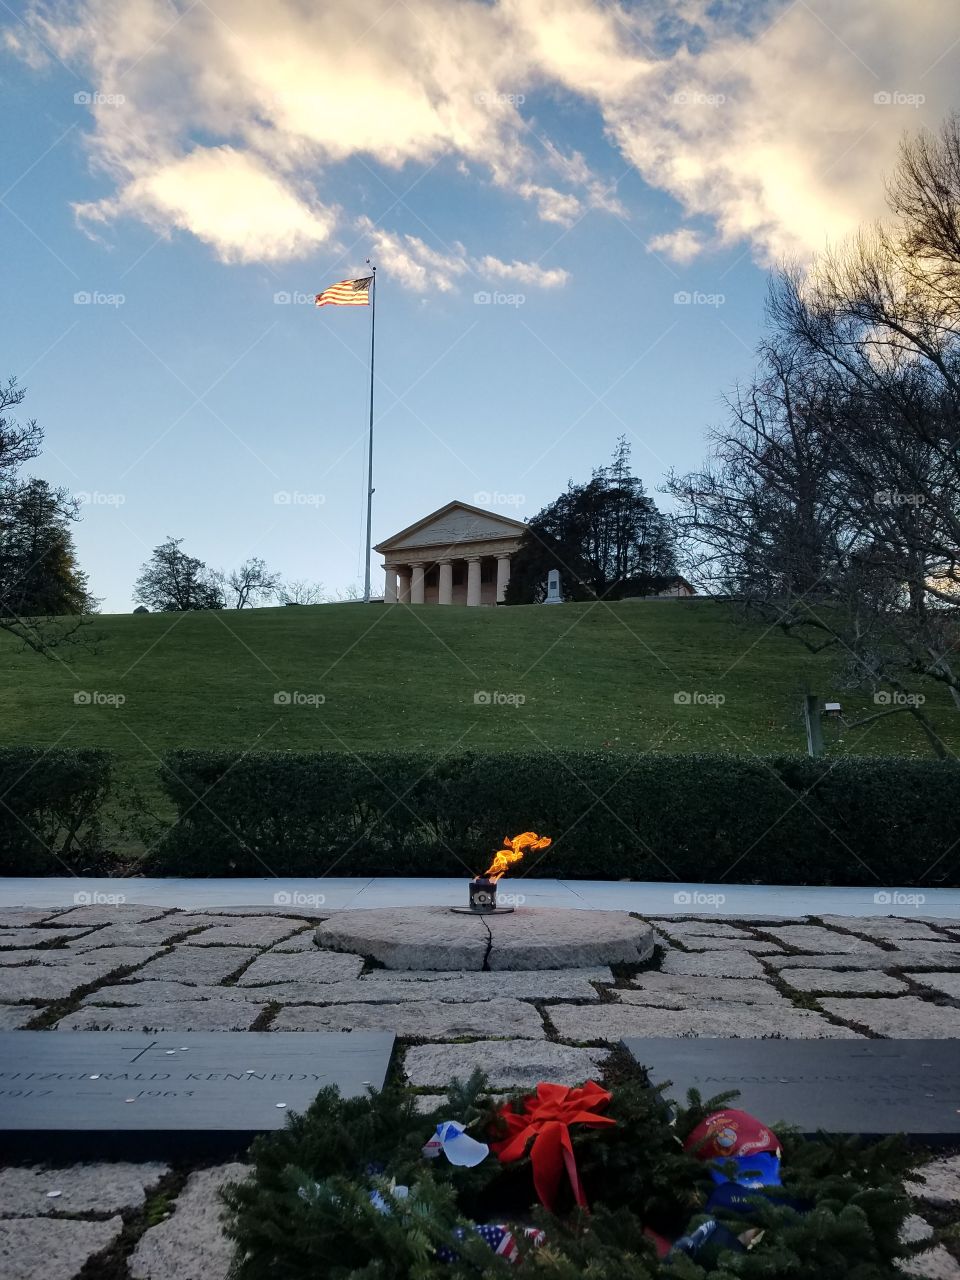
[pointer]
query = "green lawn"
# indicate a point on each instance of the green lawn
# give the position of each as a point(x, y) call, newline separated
point(590, 675)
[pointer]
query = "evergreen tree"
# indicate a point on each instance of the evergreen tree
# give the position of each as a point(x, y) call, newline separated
point(606, 537)
point(38, 564)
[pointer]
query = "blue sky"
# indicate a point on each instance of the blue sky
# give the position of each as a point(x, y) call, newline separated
point(575, 162)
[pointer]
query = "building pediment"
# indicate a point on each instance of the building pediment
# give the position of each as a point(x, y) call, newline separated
point(457, 524)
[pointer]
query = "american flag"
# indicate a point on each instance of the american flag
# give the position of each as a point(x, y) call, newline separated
point(347, 293)
point(499, 1238)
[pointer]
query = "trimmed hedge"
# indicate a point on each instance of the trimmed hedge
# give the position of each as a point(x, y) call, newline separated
point(779, 820)
point(51, 803)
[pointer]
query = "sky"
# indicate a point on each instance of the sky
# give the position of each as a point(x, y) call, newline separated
point(573, 208)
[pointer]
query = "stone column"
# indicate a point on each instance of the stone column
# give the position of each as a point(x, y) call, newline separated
point(473, 580)
point(390, 584)
point(416, 582)
point(446, 582)
point(404, 589)
point(503, 577)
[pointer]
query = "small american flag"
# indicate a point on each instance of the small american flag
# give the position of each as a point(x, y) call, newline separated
point(347, 293)
point(500, 1239)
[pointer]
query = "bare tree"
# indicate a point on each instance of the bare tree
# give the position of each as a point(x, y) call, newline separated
point(299, 591)
point(832, 503)
point(252, 583)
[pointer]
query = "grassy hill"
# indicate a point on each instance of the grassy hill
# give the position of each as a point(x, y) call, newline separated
point(589, 675)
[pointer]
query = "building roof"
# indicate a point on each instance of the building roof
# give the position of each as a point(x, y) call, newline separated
point(485, 526)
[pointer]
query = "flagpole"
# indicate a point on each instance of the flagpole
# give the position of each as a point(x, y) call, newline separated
point(369, 543)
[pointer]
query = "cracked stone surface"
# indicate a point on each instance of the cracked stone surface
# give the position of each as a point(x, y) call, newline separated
point(714, 964)
point(947, 984)
point(30, 937)
point(885, 928)
point(53, 1248)
point(529, 938)
point(809, 937)
point(304, 941)
point(21, 917)
point(421, 1021)
point(313, 966)
point(929, 954)
point(42, 983)
point(684, 929)
point(508, 1064)
point(855, 982)
point(611, 1022)
point(183, 1015)
point(677, 991)
point(200, 965)
point(161, 992)
point(533, 984)
point(190, 1245)
point(247, 931)
point(106, 960)
point(80, 1188)
point(886, 960)
point(119, 913)
point(758, 946)
point(152, 933)
point(13, 1017)
point(899, 1017)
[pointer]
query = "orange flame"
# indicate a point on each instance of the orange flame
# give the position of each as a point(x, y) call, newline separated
point(514, 847)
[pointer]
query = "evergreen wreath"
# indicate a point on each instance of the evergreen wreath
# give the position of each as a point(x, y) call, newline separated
point(345, 1193)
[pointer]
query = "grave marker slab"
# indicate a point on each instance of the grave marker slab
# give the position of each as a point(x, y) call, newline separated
point(96, 1092)
point(868, 1087)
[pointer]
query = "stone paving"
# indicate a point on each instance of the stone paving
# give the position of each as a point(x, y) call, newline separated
point(130, 967)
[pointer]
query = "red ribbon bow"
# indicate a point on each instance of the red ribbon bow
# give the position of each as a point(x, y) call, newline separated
point(545, 1122)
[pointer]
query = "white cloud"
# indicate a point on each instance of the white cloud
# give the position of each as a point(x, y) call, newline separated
point(423, 269)
point(756, 115)
point(682, 245)
point(228, 199)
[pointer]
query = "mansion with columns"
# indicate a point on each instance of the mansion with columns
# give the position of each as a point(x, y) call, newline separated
point(459, 554)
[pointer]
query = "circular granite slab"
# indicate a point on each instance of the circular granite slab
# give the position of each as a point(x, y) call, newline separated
point(529, 938)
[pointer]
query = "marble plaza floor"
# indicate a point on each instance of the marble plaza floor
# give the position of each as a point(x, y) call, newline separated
point(135, 966)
